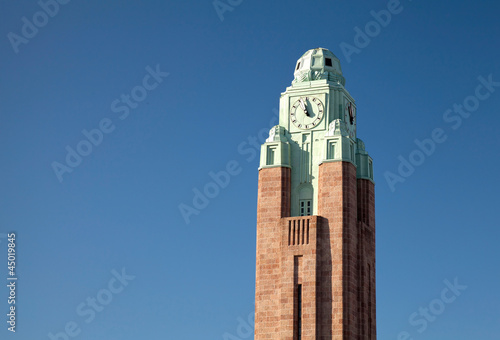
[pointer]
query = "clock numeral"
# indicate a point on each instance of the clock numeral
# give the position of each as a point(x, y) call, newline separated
point(314, 99)
point(300, 125)
point(294, 121)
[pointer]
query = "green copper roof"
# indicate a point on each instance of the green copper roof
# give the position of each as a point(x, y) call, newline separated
point(316, 64)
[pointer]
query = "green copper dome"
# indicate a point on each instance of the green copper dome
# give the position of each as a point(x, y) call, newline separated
point(317, 64)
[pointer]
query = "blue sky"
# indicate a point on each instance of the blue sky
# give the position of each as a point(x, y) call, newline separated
point(109, 226)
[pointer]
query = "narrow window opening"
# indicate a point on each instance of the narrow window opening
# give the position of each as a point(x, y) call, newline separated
point(305, 207)
point(297, 297)
point(303, 230)
point(307, 232)
point(289, 231)
point(328, 62)
point(369, 302)
point(299, 312)
point(298, 65)
point(331, 151)
point(298, 232)
point(270, 155)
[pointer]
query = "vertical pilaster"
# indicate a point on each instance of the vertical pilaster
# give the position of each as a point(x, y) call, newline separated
point(366, 236)
point(337, 250)
point(273, 204)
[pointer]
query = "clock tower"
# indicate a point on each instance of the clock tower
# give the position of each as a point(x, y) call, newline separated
point(315, 269)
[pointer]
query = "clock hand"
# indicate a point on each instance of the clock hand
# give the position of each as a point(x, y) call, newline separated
point(303, 106)
point(351, 115)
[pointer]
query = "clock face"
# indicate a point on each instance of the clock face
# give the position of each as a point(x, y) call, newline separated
point(307, 112)
point(350, 119)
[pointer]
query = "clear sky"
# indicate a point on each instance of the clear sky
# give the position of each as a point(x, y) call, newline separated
point(159, 96)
